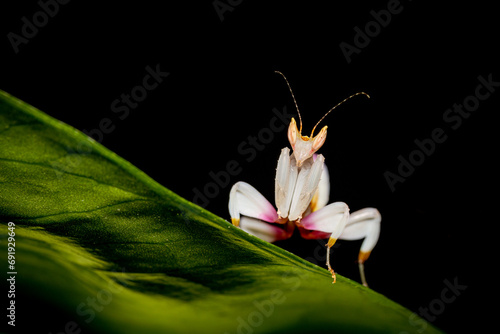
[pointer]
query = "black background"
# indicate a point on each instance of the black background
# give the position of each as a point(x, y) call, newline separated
point(221, 89)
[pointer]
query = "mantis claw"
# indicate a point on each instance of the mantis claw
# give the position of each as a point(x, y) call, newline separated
point(333, 276)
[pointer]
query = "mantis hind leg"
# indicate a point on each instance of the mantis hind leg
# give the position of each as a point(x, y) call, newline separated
point(363, 224)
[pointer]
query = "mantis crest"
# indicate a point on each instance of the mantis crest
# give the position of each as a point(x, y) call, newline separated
point(302, 190)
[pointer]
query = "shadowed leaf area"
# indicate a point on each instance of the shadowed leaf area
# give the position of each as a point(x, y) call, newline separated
point(102, 248)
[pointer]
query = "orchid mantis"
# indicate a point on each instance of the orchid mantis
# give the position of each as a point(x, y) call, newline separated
point(302, 190)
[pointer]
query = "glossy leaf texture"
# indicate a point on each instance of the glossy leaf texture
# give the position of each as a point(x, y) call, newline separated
point(102, 248)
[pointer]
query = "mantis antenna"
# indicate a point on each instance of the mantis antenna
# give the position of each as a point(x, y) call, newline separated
point(293, 97)
point(338, 104)
point(329, 111)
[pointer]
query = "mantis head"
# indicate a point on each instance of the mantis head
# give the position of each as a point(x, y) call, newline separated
point(303, 146)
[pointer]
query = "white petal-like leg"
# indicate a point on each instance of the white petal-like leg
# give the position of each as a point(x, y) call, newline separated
point(266, 231)
point(245, 200)
point(331, 219)
point(306, 186)
point(322, 195)
point(286, 177)
point(363, 224)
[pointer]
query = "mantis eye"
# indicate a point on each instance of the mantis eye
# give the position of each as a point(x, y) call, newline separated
point(292, 132)
point(319, 140)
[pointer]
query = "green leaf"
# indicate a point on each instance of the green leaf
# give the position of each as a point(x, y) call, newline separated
point(101, 247)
